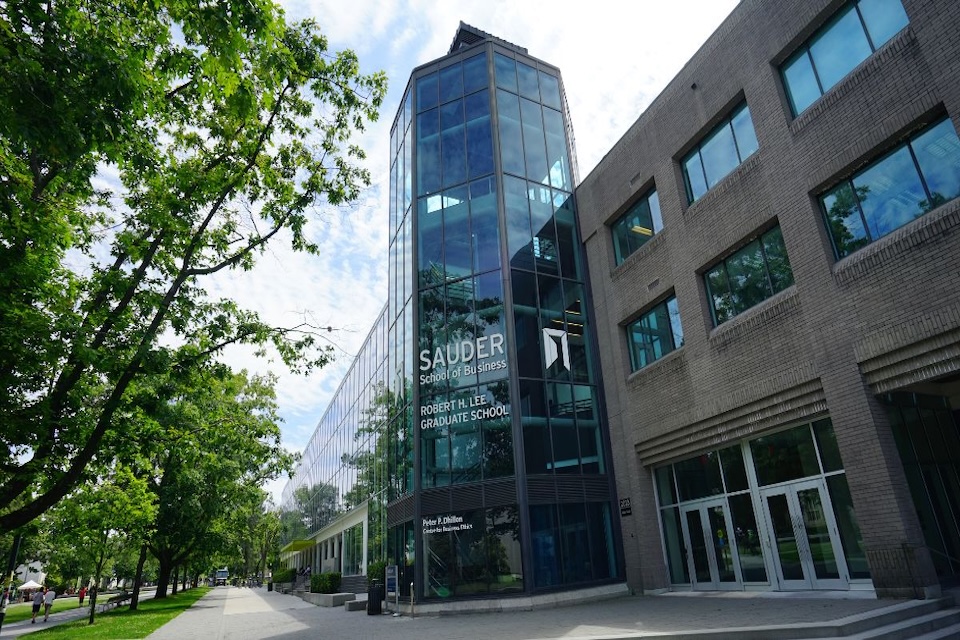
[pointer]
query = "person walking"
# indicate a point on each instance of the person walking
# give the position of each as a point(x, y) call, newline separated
point(37, 603)
point(48, 599)
point(82, 593)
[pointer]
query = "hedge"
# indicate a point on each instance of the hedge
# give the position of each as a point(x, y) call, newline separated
point(325, 582)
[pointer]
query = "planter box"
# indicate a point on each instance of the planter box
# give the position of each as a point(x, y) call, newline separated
point(328, 599)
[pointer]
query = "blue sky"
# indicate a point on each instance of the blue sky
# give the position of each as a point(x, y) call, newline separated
point(615, 57)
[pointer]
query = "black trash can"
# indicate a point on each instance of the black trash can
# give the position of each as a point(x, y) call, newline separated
point(374, 599)
point(269, 586)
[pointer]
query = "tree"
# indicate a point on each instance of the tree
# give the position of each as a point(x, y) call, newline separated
point(99, 521)
point(220, 443)
point(224, 126)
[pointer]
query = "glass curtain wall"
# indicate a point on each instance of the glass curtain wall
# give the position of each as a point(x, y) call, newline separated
point(559, 412)
point(344, 463)
point(493, 220)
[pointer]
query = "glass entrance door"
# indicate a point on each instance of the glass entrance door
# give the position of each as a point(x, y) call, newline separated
point(803, 534)
point(711, 556)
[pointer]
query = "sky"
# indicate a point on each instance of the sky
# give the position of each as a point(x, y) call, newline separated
point(615, 56)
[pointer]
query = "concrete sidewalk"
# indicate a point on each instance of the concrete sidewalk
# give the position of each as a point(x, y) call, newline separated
point(17, 629)
point(256, 614)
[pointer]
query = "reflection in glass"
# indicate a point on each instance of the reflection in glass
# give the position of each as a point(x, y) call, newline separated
point(550, 90)
point(895, 193)
point(839, 48)
point(673, 541)
point(654, 334)
point(427, 92)
point(722, 550)
point(453, 150)
point(785, 538)
point(527, 80)
point(884, 19)
point(511, 135)
point(783, 456)
point(801, 82)
point(451, 83)
point(638, 225)
point(734, 473)
point(850, 538)
point(698, 546)
point(699, 477)
point(747, 537)
point(666, 491)
point(818, 540)
point(751, 275)
point(534, 143)
point(719, 153)
point(506, 72)
point(479, 142)
point(475, 73)
point(908, 182)
point(827, 445)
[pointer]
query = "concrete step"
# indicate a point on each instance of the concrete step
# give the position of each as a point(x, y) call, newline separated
point(937, 624)
point(947, 633)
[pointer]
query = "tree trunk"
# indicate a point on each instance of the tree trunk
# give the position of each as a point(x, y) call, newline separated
point(184, 585)
point(163, 578)
point(138, 579)
point(93, 601)
point(175, 582)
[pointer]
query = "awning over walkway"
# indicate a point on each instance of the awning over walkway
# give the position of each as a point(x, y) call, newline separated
point(297, 545)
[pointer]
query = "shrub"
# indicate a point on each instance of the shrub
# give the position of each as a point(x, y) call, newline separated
point(285, 575)
point(376, 572)
point(325, 583)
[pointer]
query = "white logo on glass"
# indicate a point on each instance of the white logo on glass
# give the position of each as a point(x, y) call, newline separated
point(555, 346)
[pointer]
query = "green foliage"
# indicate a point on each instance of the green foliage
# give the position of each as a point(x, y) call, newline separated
point(284, 575)
point(122, 623)
point(376, 572)
point(328, 582)
point(97, 523)
point(216, 131)
point(218, 441)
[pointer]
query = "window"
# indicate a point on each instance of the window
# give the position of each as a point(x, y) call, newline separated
point(722, 151)
point(640, 223)
point(859, 29)
point(749, 276)
point(912, 179)
point(655, 334)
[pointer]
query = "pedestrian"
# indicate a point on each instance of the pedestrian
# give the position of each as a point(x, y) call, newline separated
point(82, 593)
point(37, 603)
point(48, 599)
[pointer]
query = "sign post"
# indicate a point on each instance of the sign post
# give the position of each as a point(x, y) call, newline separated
point(392, 586)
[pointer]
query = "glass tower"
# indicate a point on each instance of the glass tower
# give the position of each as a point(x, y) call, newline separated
point(497, 453)
point(467, 444)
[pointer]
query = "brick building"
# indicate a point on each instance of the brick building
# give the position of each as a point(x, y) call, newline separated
point(774, 257)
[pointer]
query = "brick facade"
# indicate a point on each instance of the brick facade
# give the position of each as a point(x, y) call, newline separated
point(881, 319)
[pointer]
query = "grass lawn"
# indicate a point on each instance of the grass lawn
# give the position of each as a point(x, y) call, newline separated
point(123, 624)
point(23, 610)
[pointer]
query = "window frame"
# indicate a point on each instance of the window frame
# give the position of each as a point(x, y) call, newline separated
point(656, 222)
point(676, 341)
point(904, 143)
point(757, 238)
point(696, 151)
point(804, 51)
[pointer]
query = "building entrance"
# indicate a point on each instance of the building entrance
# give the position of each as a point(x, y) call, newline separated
point(804, 536)
point(711, 557)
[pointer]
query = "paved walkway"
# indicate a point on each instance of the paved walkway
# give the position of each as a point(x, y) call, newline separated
point(256, 614)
